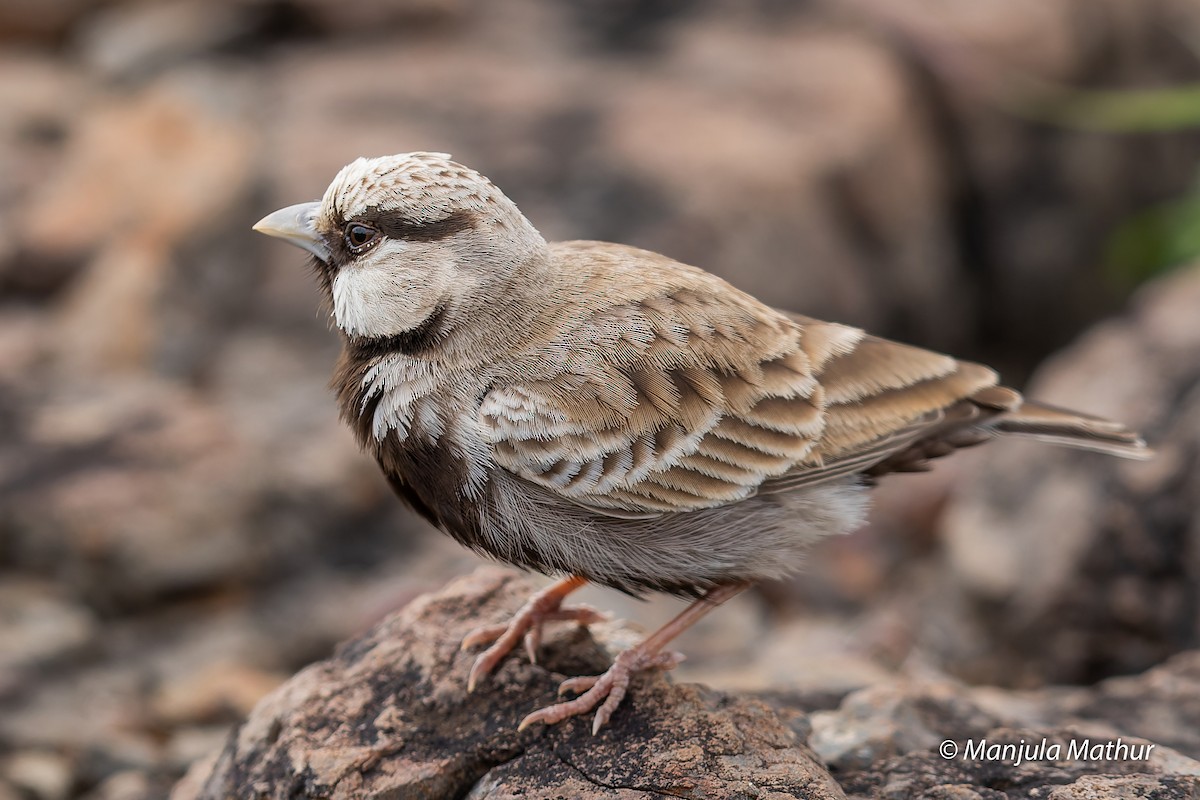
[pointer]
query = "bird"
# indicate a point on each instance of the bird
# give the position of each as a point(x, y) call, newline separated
point(605, 414)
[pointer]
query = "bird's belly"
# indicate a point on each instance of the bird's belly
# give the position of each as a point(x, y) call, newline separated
point(758, 538)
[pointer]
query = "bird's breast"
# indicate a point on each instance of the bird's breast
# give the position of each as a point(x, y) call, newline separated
point(422, 421)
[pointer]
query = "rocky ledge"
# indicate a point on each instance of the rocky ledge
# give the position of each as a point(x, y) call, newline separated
point(387, 716)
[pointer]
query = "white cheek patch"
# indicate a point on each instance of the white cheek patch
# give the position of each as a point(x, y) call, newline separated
point(372, 300)
point(362, 303)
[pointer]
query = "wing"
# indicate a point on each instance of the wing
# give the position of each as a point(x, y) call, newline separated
point(695, 395)
point(684, 399)
point(891, 407)
point(676, 392)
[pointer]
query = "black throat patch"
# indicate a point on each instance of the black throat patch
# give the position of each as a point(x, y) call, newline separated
point(410, 343)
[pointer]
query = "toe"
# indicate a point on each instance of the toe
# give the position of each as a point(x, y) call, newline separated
point(665, 661)
point(482, 635)
point(552, 715)
point(577, 684)
point(584, 615)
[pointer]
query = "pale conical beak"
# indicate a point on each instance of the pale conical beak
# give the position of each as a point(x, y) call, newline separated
point(296, 224)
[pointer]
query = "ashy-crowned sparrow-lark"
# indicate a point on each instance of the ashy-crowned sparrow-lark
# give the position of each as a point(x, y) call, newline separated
point(606, 414)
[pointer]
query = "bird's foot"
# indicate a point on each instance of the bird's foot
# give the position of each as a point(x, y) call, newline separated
point(544, 606)
point(609, 688)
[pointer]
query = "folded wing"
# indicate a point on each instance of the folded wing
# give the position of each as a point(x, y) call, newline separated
point(694, 398)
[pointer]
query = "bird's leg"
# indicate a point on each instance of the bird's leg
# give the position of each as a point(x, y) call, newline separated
point(544, 606)
point(613, 684)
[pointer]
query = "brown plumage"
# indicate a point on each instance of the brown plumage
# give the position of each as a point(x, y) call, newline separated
point(609, 414)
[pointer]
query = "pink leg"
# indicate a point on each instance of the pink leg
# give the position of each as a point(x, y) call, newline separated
point(545, 606)
point(613, 684)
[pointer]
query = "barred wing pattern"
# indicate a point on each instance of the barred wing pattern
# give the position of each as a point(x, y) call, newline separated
point(692, 399)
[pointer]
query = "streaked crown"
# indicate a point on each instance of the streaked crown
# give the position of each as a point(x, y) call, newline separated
point(420, 187)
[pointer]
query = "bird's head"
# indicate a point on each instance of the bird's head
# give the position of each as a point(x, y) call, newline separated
point(402, 239)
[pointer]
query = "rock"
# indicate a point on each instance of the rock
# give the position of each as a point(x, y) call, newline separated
point(44, 775)
point(410, 19)
point(874, 724)
point(39, 626)
point(1095, 554)
point(387, 715)
point(889, 739)
point(1132, 787)
point(41, 20)
point(138, 487)
point(1036, 204)
point(110, 471)
point(129, 785)
point(212, 693)
point(135, 218)
point(133, 40)
point(1161, 704)
point(41, 97)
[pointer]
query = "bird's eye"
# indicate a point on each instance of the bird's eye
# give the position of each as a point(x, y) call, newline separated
point(359, 237)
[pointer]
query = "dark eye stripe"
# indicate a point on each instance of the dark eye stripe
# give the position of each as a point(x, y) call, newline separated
point(393, 228)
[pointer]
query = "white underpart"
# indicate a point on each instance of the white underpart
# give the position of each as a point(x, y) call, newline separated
point(476, 451)
point(403, 386)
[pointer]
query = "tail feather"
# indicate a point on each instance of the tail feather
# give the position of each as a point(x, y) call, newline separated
point(1058, 425)
point(998, 410)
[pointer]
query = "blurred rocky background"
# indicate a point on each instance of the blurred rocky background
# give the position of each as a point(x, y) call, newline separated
point(183, 521)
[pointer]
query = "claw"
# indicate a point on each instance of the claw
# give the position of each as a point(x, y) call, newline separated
point(526, 625)
point(606, 690)
point(609, 689)
point(606, 711)
point(477, 670)
point(533, 638)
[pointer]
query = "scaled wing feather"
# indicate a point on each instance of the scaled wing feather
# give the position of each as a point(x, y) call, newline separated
point(691, 398)
point(674, 402)
point(692, 395)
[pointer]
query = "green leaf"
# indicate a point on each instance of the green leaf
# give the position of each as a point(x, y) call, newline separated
point(1134, 110)
point(1155, 240)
